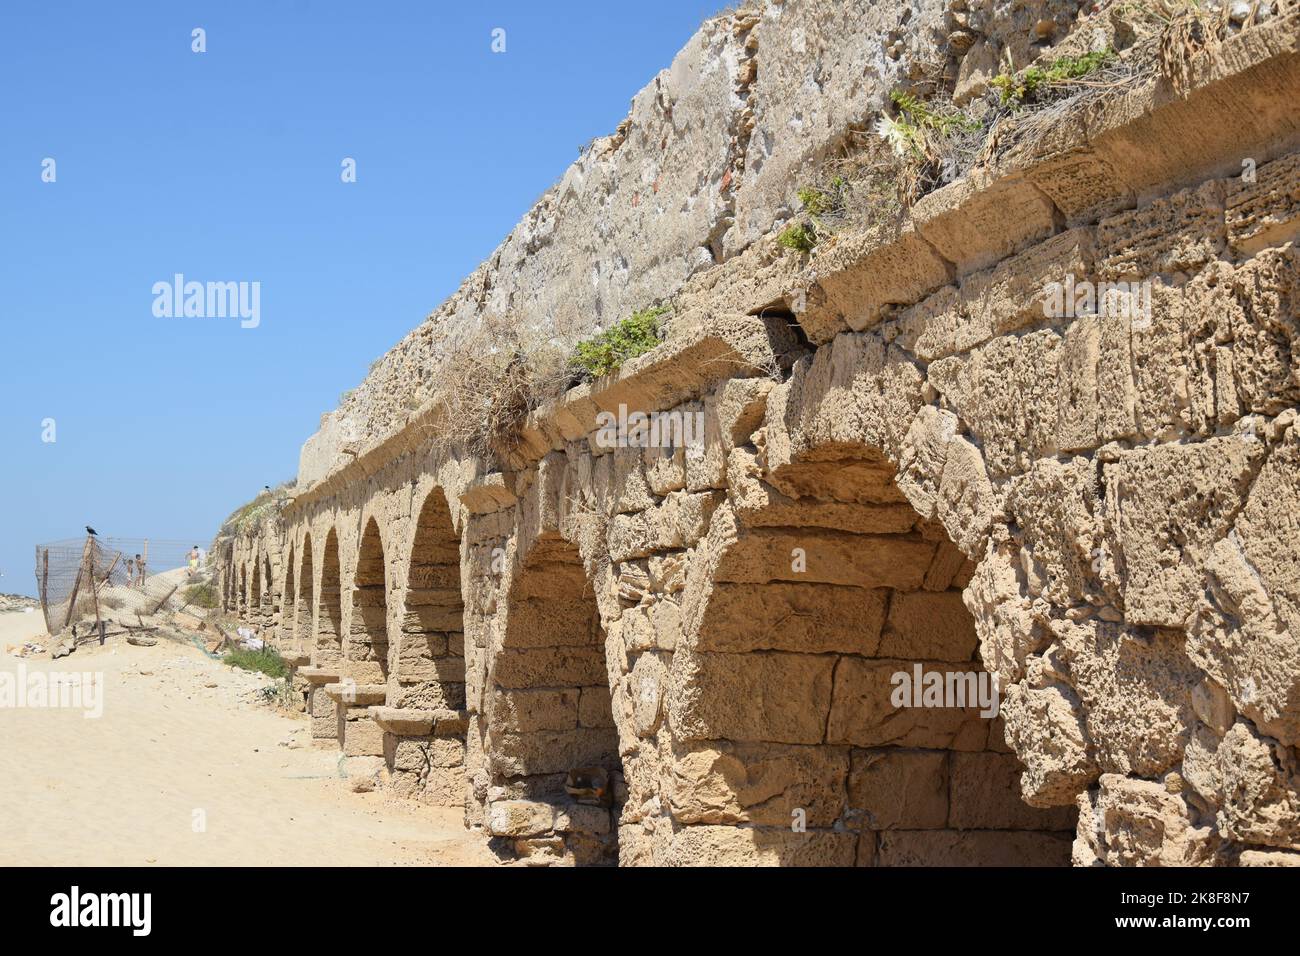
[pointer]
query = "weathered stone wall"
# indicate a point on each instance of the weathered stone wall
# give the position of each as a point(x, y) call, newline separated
point(668, 658)
point(707, 162)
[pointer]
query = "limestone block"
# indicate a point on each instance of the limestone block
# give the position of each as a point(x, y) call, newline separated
point(863, 713)
point(580, 818)
point(750, 696)
point(1173, 503)
point(538, 752)
point(1236, 636)
point(719, 782)
point(949, 569)
point(974, 224)
point(858, 391)
point(985, 795)
point(594, 708)
point(416, 754)
point(1003, 614)
point(1266, 212)
point(679, 522)
point(517, 818)
point(665, 469)
point(1044, 726)
point(1007, 392)
point(806, 618)
point(1254, 783)
point(546, 622)
point(1243, 629)
point(1177, 233)
point(1269, 858)
point(1136, 693)
point(430, 695)
point(759, 504)
point(542, 709)
point(1240, 337)
point(926, 625)
point(541, 851)
point(972, 848)
point(667, 572)
point(1142, 824)
point(361, 736)
point(706, 463)
point(899, 789)
point(1056, 506)
point(548, 667)
point(866, 273)
point(738, 406)
point(1004, 298)
point(923, 456)
point(737, 846)
point(814, 555)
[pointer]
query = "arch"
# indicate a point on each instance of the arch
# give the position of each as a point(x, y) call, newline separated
point(267, 608)
point(426, 759)
point(254, 610)
point(328, 647)
point(306, 604)
point(828, 674)
point(549, 733)
point(368, 632)
point(287, 630)
point(427, 671)
point(227, 575)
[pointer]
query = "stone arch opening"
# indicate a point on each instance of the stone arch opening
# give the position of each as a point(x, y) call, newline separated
point(268, 605)
point(428, 667)
point(830, 705)
point(329, 619)
point(550, 741)
point(424, 739)
point(288, 618)
point(368, 631)
point(302, 632)
point(255, 600)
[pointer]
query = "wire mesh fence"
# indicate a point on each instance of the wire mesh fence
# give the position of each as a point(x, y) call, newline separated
point(94, 578)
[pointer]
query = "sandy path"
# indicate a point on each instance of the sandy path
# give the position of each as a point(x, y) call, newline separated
point(179, 733)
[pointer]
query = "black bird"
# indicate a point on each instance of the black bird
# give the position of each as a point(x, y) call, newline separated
point(90, 531)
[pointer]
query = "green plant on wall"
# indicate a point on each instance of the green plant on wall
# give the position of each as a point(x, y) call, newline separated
point(1032, 83)
point(605, 353)
point(800, 237)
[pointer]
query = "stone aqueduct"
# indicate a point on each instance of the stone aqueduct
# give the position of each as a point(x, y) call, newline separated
point(656, 657)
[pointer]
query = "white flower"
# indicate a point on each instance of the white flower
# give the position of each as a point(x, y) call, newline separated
point(894, 133)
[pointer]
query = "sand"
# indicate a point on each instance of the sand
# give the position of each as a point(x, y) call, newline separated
point(183, 740)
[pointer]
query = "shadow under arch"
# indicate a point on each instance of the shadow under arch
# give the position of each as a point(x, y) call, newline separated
point(425, 741)
point(367, 644)
point(829, 678)
point(328, 644)
point(306, 602)
point(287, 629)
point(548, 731)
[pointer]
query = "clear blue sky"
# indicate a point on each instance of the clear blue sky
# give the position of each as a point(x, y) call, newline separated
point(225, 165)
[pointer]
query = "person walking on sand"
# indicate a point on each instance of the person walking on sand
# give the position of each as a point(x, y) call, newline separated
point(194, 560)
point(139, 570)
